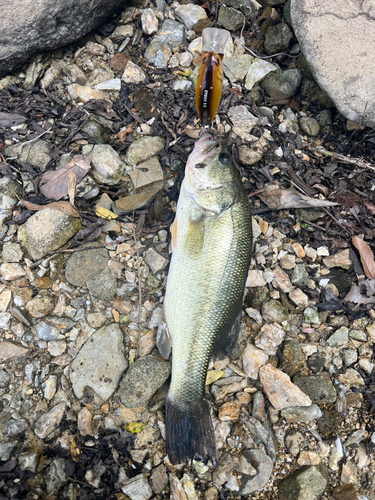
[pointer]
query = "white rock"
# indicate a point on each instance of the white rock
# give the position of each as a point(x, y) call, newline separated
point(133, 73)
point(182, 85)
point(269, 338)
point(10, 271)
point(337, 453)
point(149, 22)
point(257, 71)
point(243, 121)
point(299, 298)
point(254, 314)
point(195, 47)
point(185, 59)
point(252, 359)
point(255, 278)
point(190, 14)
point(113, 84)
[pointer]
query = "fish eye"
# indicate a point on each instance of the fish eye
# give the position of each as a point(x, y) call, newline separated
point(224, 158)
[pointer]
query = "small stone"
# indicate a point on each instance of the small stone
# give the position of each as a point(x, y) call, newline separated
point(103, 285)
point(300, 276)
point(254, 314)
point(230, 411)
point(281, 280)
point(263, 464)
point(158, 53)
point(149, 22)
point(318, 387)
point(243, 121)
point(308, 457)
point(144, 377)
point(143, 148)
point(12, 271)
point(155, 261)
point(351, 378)
point(349, 356)
point(15, 426)
point(294, 441)
point(50, 421)
point(34, 154)
point(5, 319)
point(85, 422)
point(345, 492)
point(337, 453)
point(4, 380)
point(255, 278)
point(252, 360)
point(211, 494)
point(182, 85)
point(309, 126)
point(159, 479)
point(46, 231)
point(82, 266)
point(366, 365)
point(188, 487)
point(307, 483)
point(135, 201)
point(279, 389)
point(96, 320)
point(100, 363)
point(137, 488)
point(83, 93)
point(301, 413)
point(277, 86)
point(52, 326)
point(288, 261)
point(9, 350)
point(269, 338)
point(190, 14)
point(277, 38)
point(339, 338)
point(359, 335)
point(6, 450)
point(147, 173)
point(236, 67)
point(177, 491)
point(107, 165)
point(40, 306)
point(299, 298)
point(257, 71)
point(49, 387)
point(133, 74)
point(274, 311)
point(298, 250)
point(230, 19)
point(340, 259)
point(311, 316)
point(249, 156)
point(112, 85)
point(12, 252)
point(28, 461)
point(56, 347)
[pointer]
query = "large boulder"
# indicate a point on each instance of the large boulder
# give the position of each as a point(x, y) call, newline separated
point(29, 26)
point(338, 41)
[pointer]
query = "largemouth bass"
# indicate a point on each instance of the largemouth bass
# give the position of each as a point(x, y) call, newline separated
point(211, 244)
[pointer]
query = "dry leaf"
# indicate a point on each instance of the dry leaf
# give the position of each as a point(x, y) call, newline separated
point(280, 199)
point(364, 293)
point(213, 375)
point(54, 183)
point(104, 213)
point(74, 451)
point(62, 206)
point(134, 427)
point(192, 132)
point(72, 182)
point(367, 257)
point(370, 208)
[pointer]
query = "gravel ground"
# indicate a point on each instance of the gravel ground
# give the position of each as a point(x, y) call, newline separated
point(102, 130)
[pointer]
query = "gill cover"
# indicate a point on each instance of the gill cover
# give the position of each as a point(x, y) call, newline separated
point(210, 75)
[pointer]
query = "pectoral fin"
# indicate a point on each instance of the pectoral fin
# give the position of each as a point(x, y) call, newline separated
point(173, 231)
point(163, 337)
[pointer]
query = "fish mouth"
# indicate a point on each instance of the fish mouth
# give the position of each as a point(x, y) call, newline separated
point(206, 147)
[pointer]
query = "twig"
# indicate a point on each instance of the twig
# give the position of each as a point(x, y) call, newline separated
point(316, 226)
point(168, 128)
point(269, 57)
point(344, 159)
point(67, 250)
point(28, 142)
point(139, 284)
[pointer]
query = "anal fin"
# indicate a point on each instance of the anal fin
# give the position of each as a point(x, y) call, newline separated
point(163, 337)
point(227, 339)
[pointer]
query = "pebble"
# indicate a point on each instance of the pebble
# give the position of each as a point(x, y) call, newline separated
point(177, 491)
point(16, 426)
point(366, 365)
point(311, 316)
point(308, 457)
point(351, 378)
point(146, 173)
point(136, 201)
point(336, 454)
point(52, 326)
point(318, 387)
point(144, 377)
point(114, 84)
point(190, 14)
point(254, 314)
point(85, 422)
point(12, 252)
point(188, 487)
point(10, 271)
point(287, 261)
point(40, 306)
point(269, 338)
point(149, 22)
point(50, 421)
point(230, 19)
point(182, 85)
point(103, 285)
point(46, 231)
point(236, 67)
point(49, 387)
point(279, 389)
point(83, 93)
point(307, 483)
point(243, 121)
point(349, 473)
point(5, 319)
point(257, 71)
point(100, 363)
point(255, 278)
point(82, 266)
point(299, 298)
point(159, 479)
point(137, 488)
point(339, 338)
point(4, 379)
point(252, 359)
point(309, 126)
point(6, 450)
point(300, 276)
point(229, 411)
point(340, 259)
point(263, 465)
point(155, 261)
point(277, 38)
point(281, 280)
point(9, 350)
point(301, 413)
point(28, 461)
point(56, 347)
point(5, 298)
point(107, 165)
point(133, 74)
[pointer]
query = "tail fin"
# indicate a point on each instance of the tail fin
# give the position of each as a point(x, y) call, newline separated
point(189, 432)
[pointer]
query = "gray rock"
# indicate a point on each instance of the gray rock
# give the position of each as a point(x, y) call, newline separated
point(224, 470)
point(15, 427)
point(293, 357)
point(158, 53)
point(301, 413)
point(137, 488)
point(100, 363)
point(159, 479)
point(274, 311)
point(155, 261)
point(10, 193)
point(294, 77)
point(272, 3)
point(245, 6)
point(300, 276)
point(47, 230)
point(49, 422)
point(349, 356)
point(6, 450)
point(147, 173)
point(257, 71)
point(309, 126)
point(53, 326)
point(237, 67)
point(12, 252)
point(172, 33)
point(35, 27)
point(190, 14)
point(34, 154)
point(143, 148)
point(311, 316)
point(28, 461)
point(318, 387)
point(95, 130)
point(55, 476)
point(263, 465)
point(107, 165)
point(325, 32)
point(82, 266)
point(277, 86)
point(103, 285)
point(339, 338)
point(4, 379)
point(230, 19)
point(307, 483)
point(144, 377)
point(243, 121)
point(278, 38)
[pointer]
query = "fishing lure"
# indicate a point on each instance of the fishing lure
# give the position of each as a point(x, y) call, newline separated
point(210, 76)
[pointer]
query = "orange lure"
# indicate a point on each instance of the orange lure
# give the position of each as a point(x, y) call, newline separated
point(210, 76)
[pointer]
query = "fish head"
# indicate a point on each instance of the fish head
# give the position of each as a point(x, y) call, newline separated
point(211, 178)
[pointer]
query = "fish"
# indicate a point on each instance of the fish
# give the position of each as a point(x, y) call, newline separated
point(211, 240)
point(210, 74)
